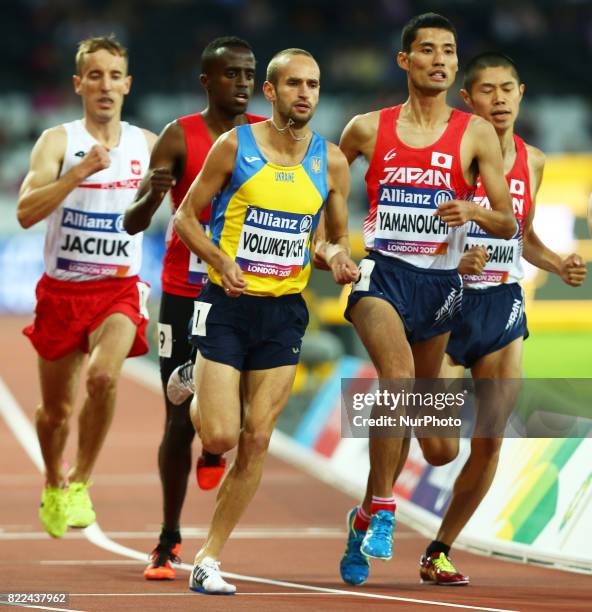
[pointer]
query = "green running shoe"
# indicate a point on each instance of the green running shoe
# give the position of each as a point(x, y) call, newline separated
point(52, 511)
point(79, 509)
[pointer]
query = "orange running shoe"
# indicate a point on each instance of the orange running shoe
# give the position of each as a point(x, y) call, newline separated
point(209, 471)
point(160, 567)
point(438, 569)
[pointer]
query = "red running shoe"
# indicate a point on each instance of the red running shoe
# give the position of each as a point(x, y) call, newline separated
point(160, 567)
point(209, 471)
point(438, 569)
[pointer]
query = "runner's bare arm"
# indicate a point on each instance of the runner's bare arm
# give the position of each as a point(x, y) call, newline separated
point(500, 220)
point(166, 167)
point(482, 146)
point(214, 175)
point(359, 136)
point(572, 269)
point(320, 242)
point(43, 190)
point(337, 251)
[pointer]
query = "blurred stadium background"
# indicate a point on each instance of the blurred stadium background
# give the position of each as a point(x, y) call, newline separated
point(550, 40)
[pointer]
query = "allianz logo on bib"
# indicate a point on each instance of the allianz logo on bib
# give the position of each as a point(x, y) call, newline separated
point(415, 197)
point(292, 223)
point(94, 222)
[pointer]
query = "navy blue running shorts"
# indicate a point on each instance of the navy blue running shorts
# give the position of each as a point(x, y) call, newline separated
point(249, 332)
point(491, 319)
point(428, 301)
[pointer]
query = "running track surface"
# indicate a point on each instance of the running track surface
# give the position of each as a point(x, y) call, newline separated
point(293, 531)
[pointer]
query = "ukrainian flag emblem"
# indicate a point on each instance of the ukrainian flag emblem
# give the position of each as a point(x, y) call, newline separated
point(315, 164)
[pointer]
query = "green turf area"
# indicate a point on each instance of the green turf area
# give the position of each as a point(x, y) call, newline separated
point(558, 355)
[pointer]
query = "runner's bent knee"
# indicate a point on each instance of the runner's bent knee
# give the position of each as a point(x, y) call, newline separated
point(100, 382)
point(55, 413)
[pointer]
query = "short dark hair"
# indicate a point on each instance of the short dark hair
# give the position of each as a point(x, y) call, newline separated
point(210, 52)
point(274, 62)
point(426, 20)
point(489, 59)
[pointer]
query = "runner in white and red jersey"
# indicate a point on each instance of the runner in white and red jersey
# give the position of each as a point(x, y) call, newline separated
point(424, 161)
point(228, 72)
point(82, 177)
point(488, 336)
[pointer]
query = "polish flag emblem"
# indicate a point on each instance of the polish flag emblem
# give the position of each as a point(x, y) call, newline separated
point(441, 160)
point(136, 167)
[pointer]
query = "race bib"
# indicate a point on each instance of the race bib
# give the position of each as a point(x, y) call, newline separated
point(198, 269)
point(503, 256)
point(200, 314)
point(95, 243)
point(273, 243)
point(405, 221)
point(165, 340)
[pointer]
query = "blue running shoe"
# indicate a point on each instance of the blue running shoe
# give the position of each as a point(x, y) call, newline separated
point(378, 542)
point(354, 567)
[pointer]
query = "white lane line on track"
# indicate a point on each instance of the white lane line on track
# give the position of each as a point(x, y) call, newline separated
point(31, 606)
point(270, 534)
point(245, 534)
point(21, 427)
point(25, 434)
point(191, 594)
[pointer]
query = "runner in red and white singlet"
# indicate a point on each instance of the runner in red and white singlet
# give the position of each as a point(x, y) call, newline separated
point(83, 174)
point(504, 263)
point(489, 335)
point(228, 70)
point(424, 160)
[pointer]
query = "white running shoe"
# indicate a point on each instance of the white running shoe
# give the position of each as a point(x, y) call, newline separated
point(206, 578)
point(180, 386)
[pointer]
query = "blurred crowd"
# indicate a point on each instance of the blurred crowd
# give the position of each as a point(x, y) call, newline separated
point(355, 42)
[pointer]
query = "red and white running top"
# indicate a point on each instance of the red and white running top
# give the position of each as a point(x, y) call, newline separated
point(405, 185)
point(504, 264)
point(85, 239)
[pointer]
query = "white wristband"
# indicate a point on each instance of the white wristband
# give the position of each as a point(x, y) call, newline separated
point(331, 250)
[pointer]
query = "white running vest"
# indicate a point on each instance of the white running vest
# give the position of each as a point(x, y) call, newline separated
point(85, 239)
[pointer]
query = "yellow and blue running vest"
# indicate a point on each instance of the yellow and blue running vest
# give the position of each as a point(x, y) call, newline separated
point(267, 215)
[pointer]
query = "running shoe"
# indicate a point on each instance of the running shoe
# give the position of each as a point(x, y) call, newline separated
point(52, 511)
point(206, 578)
point(161, 557)
point(79, 508)
point(378, 541)
point(180, 386)
point(354, 567)
point(438, 569)
point(209, 471)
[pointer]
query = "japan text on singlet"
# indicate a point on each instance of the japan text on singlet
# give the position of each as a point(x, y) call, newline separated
point(265, 218)
point(183, 272)
point(405, 185)
point(85, 239)
point(504, 264)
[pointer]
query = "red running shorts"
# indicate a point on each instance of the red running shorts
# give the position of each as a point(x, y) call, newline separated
point(68, 312)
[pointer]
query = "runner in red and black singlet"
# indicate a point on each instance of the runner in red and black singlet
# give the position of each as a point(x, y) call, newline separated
point(424, 161)
point(228, 71)
point(488, 337)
